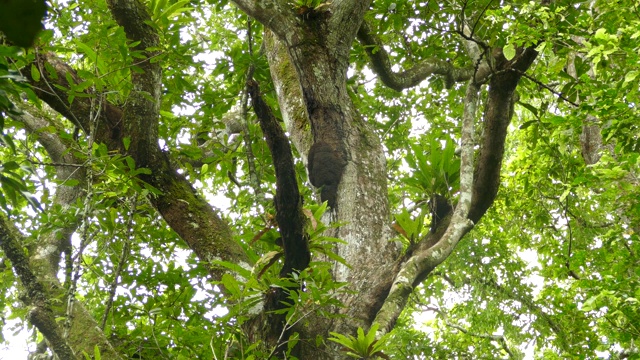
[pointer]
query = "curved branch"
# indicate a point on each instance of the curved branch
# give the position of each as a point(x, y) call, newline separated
point(425, 259)
point(381, 64)
point(276, 15)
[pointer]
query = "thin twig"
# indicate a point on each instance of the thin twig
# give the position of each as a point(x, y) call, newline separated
point(124, 257)
point(539, 83)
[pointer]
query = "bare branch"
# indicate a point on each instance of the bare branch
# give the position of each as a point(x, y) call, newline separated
point(381, 65)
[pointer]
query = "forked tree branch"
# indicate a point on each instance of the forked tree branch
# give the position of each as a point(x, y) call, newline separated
point(424, 260)
point(478, 188)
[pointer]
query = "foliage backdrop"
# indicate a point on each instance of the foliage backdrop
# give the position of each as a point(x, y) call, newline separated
point(551, 271)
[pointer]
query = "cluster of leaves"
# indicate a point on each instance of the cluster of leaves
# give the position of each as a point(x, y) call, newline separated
point(12, 173)
point(364, 346)
point(247, 288)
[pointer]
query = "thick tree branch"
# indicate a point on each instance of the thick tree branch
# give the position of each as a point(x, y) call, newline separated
point(346, 18)
point(381, 65)
point(425, 259)
point(276, 15)
point(143, 105)
point(290, 97)
point(289, 216)
point(497, 116)
point(288, 200)
point(41, 314)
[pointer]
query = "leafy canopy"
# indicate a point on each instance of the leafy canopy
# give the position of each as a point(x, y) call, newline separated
point(551, 271)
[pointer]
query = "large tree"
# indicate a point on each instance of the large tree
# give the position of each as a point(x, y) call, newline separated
point(357, 144)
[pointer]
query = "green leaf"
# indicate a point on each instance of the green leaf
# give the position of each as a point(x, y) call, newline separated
point(231, 285)
point(126, 141)
point(234, 267)
point(176, 9)
point(509, 51)
point(342, 340)
point(35, 73)
point(630, 76)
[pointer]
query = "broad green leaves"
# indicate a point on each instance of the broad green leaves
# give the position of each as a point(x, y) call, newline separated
point(14, 187)
point(364, 346)
point(435, 167)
